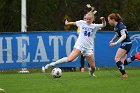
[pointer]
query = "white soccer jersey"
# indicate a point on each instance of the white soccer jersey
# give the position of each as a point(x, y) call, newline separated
point(86, 34)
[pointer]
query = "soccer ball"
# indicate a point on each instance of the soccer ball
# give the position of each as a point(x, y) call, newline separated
point(56, 72)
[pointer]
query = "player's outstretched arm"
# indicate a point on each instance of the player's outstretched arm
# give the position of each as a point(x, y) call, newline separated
point(69, 23)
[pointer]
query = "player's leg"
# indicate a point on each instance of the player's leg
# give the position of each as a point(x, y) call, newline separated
point(119, 55)
point(131, 59)
point(127, 61)
point(82, 61)
point(74, 54)
point(123, 58)
point(91, 62)
point(88, 67)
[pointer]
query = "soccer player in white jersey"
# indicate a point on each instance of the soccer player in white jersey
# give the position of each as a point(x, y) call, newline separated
point(84, 43)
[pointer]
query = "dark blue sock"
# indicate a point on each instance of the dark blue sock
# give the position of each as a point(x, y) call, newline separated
point(121, 67)
point(133, 58)
point(126, 63)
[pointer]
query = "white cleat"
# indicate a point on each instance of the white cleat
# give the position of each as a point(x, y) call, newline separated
point(50, 65)
point(47, 66)
point(91, 73)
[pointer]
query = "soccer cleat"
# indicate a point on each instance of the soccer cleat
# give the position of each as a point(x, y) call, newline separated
point(82, 70)
point(91, 73)
point(137, 56)
point(124, 76)
point(50, 65)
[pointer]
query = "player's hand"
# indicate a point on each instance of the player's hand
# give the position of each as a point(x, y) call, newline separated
point(112, 44)
point(66, 22)
point(102, 18)
point(111, 41)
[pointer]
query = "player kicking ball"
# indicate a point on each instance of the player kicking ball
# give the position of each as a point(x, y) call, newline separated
point(84, 44)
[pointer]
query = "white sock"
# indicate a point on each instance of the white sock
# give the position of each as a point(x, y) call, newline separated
point(60, 61)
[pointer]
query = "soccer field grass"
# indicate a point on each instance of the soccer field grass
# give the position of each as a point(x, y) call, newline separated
point(107, 81)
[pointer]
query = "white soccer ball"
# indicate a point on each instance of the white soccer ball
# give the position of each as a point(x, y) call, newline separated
point(56, 72)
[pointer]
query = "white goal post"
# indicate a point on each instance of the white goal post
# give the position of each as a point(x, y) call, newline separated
point(23, 29)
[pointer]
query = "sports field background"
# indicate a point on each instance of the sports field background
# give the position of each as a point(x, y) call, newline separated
point(107, 81)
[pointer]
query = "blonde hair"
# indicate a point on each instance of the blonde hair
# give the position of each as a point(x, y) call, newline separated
point(92, 12)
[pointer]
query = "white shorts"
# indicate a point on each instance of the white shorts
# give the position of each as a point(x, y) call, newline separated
point(85, 51)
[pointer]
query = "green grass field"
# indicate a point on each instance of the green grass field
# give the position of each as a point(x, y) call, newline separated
point(107, 81)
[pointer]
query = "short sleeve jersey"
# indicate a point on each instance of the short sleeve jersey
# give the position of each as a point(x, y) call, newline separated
point(86, 34)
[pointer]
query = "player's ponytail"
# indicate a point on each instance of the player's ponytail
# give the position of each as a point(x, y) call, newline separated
point(92, 11)
point(119, 18)
point(115, 16)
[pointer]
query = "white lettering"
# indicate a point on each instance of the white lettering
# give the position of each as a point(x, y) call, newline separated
point(41, 51)
point(23, 55)
point(8, 50)
point(56, 45)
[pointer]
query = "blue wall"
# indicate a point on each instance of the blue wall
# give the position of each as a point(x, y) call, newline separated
point(35, 49)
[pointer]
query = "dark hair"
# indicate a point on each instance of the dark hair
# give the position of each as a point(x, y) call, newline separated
point(115, 16)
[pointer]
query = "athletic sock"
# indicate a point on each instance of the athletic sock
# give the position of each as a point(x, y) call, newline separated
point(121, 67)
point(133, 58)
point(60, 61)
point(129, 60)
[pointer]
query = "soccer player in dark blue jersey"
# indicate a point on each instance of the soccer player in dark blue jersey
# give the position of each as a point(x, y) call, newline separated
point(120, 29)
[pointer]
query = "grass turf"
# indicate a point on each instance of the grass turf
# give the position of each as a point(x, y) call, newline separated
point(107, 81)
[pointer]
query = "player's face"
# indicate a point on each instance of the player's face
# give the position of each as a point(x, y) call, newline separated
point(111, 21)
point(89, 19)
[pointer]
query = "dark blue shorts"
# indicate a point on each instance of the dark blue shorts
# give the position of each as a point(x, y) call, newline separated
point(126, 47)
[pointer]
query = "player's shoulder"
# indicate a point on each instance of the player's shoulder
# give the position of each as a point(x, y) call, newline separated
point(120, 26)
point(81, 21)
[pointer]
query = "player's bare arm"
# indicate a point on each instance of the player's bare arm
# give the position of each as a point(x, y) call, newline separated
point(69, 23)
point(114, 38)
point(103, 21)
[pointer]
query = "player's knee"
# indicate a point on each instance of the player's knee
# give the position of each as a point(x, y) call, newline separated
point(116, 59)
point(122, 60)
point(70, 59)
point(93, 66)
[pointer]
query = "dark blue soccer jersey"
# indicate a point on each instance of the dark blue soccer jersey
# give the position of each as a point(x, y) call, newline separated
point(119, 27)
